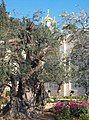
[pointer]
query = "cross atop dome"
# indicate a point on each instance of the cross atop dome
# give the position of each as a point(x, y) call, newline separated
point(48, 13)
point(54, 18)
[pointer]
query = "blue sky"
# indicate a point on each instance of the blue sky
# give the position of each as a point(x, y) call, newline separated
point(20, 8)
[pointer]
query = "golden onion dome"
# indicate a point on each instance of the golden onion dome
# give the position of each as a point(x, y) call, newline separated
point(48, 18)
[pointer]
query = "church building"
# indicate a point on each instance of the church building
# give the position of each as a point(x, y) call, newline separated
point(67, 87)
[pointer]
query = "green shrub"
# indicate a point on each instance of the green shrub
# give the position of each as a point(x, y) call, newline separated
point(82, 110)
point(52, 100)
point(84, 117)
point(64, 115)
point(80, 98)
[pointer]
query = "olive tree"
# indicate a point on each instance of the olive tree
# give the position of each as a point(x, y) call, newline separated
point(76, 27)
point(23, 50)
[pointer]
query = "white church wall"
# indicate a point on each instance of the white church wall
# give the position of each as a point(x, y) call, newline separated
point(52, 86)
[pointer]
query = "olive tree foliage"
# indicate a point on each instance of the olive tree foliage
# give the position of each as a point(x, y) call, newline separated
point(23, 50)
point(76, 27)
point(55, 69)
point(9, 29)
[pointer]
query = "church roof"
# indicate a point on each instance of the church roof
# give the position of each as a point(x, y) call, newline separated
point(48, 18)
point(49, 21)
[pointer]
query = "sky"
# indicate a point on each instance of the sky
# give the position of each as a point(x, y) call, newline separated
point(20, 8)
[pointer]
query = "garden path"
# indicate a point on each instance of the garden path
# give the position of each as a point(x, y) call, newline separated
point(46, 116)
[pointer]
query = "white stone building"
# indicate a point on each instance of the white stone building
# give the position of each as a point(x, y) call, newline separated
point(65, 49)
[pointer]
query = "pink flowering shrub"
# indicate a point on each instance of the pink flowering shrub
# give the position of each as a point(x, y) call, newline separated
point(71, 108)
point(78, 108)
point(59, 106)
point(76, 105)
